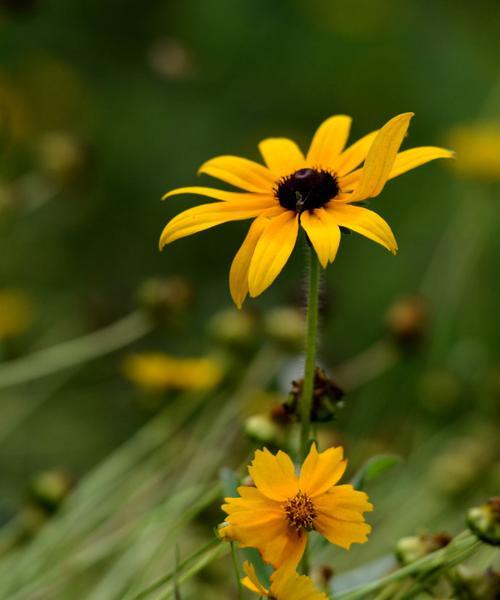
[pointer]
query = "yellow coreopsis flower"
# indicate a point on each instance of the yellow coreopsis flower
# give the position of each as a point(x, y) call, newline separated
point(478, 149)
point(286, 584)
point(276, 515)
point(156, 372)
point(316, 191)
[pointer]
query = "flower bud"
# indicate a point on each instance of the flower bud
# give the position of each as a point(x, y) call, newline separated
point(62, 157)
point(233, 328)
point(411, 548)
point(484, 521)
point(260, 428)
point(407, 321)
point(327, 398)
point(162, 298)
point(50, 488)
point(286, 326)
point(476, 584)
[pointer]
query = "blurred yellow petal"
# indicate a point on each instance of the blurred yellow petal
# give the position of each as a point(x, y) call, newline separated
point(272, 252)
point(240, 172)
point(415, 157)
point(251, 581)
point(205, 216)
point(238, 274)
point(319, 234)
point(353, 156)
point(381, 157)
point(216, 194)
point(274, 475)
point(363, 221)
point(329, 141)
point(282, 156)
point(321, 470)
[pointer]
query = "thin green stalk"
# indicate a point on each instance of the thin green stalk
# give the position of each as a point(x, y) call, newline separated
point(236, 571)
point(310, 351)
point(75, 352)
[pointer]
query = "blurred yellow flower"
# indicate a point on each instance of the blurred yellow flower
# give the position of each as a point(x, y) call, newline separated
point(276, 514)
point(316, 191)
point(286, 584)
point(16, 313)
point(156, 372)
point(478, 149)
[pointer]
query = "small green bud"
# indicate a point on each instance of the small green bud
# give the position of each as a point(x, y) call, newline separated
point(162, 298)
point(231, 327)
point(286, 326)
point(411, 548)
point(484, 521)
point(261, 428)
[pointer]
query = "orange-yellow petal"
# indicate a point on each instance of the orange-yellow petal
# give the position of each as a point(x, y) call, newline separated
point(355, 154)
point(240, 172)
point(381, 157)
point(285, 548)
point(251, 581)
point(339, 516)
point(274, 475)
point(282, 156)
point(286, 584)
point(238, 274)
point(415, 157)
point(320, 234)
point(329, 141)
point(205, 216)
point(272, 252)
point(321, 470)
point(363, 221)
point(216, 194)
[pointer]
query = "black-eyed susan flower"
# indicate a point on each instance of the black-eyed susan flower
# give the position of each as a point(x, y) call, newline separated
point(156, 372)
point(317, 192)
point(276, 515)
point(286, 584)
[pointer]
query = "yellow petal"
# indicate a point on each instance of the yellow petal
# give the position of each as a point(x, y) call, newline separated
point(320, 234)
point(286, 584)
point(381, 157)
point(205, 216)
point(286, 548)
point(238, 274)
point(363, 221)
point(251, 581)
point(282, 156)
point(321, 470)
point(274, 475)
point(355, 154)
point(272, 251)
point(240, 172)
point(339, 516)
point(216, 194)
point(415, 157)
point(329, 141)
point(334, 232)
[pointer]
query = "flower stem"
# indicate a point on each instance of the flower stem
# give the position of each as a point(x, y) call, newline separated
point(310, 351)
point(236, 571)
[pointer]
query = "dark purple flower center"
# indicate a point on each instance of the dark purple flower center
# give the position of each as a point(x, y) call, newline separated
point(306, 189)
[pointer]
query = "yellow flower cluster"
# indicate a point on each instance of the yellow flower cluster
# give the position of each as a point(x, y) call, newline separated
point(156, 372)
point(277, 512)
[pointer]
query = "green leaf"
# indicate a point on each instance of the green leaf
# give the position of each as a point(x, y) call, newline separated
point(373, 468)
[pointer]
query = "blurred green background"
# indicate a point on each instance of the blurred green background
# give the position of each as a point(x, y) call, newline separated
point(104, 106)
